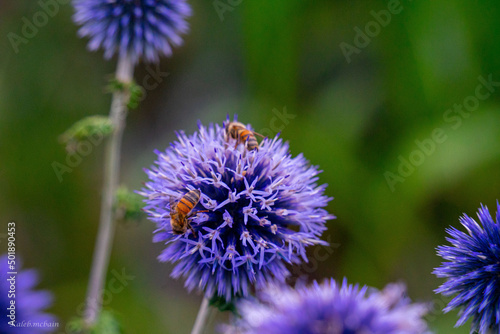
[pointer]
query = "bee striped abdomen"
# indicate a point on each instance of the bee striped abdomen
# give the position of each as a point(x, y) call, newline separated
point(242, 135)
point(248, 138)
point(188, 202)
point(245, 134)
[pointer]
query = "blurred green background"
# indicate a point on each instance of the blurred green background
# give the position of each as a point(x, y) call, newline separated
point(356, 119)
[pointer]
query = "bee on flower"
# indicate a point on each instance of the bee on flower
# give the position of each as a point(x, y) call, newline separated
point(262, 211)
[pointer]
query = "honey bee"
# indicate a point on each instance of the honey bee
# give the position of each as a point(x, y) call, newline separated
point(238, 131)
point(182, 211)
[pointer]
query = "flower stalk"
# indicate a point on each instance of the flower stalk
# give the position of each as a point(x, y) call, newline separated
point(102, 250)
point(201, 318)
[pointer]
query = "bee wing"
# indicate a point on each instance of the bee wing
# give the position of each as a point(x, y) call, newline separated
point(258, 134)
point(172, 206)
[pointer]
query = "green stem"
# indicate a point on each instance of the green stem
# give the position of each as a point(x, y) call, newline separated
point(201, 318)
point(100, 261)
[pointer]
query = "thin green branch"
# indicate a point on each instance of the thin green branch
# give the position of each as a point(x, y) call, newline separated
point(100, 261)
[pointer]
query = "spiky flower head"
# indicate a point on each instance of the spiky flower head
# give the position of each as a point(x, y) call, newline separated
point(135, 28)
point(29, 304)
point(264, 208)
point(472, 271)
point(329, 308)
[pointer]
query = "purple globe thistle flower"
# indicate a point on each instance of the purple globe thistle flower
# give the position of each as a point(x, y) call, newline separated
point(264, 208)
point(137, 28)
point(29, 304)
point(330, 308)
point(473, 271)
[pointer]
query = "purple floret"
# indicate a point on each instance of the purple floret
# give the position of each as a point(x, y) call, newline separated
point(329, 308)
point(140, 29)
point(29, 303)
point(473, 271)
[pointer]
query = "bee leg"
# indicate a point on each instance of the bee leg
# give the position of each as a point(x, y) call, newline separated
point(172, 205)
point(192, 230)
point(200, 211)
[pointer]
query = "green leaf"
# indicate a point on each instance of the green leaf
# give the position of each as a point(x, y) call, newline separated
point(76, 326)
point(134, 91)
point(136, 95)
point(106, 324)
point(223, 305)
point(128, 206)
point(92, 128)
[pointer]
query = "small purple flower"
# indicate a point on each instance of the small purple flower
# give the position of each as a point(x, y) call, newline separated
point(329, 308)
point(29, 304)
point(264, 208)
point(473, 271)
point(137, 28)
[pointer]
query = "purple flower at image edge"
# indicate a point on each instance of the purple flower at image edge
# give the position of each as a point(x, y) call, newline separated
point(263, 209)
point(472, 271)
point(29, 303)
point(329, 308)
point(141, 29)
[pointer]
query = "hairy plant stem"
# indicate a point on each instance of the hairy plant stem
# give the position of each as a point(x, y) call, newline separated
point(102, 250)
point(201, 318)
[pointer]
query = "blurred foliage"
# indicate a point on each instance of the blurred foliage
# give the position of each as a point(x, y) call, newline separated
point(107, 323)
point(357, 120)
point(92, 127)
point(128, 205)
point(222, 305)
point(135, 92)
